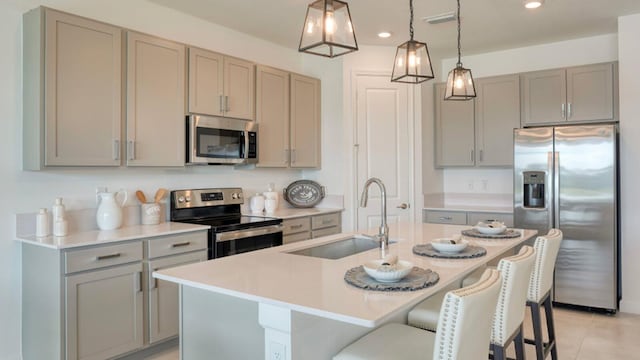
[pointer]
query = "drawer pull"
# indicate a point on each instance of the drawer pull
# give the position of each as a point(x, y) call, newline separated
point(105, 257)
point(296, 226)
point(447, 218)
point(325, 222)
point(186, 243)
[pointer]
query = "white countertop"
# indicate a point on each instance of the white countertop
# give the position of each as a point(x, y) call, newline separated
point(99, 237)
point(487, 209)
point(316, 286)
point(290, 213)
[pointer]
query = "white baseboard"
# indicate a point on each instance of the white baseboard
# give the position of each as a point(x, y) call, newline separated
point(631, 307)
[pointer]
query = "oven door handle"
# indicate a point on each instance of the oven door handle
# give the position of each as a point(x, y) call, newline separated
point(240, 234)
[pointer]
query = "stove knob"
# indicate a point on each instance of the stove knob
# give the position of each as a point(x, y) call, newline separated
point(239, 195)
point(188, 198)
point(181, 199)
point(234, 195)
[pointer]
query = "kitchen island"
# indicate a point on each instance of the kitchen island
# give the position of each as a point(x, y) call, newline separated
point(271, 304)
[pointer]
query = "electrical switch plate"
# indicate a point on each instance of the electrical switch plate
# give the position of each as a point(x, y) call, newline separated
point(277, 351)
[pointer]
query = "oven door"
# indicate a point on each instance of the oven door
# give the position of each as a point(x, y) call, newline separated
point(240, 241)
point(220, 141)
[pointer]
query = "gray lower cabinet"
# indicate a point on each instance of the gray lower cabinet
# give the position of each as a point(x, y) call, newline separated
point(310, 227)
point(100, 302)
point(459, 217)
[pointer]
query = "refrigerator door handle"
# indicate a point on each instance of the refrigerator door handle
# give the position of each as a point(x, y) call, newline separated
point(549, 188)
point(556, 190)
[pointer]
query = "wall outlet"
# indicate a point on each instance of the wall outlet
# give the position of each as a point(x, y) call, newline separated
point(277, 351)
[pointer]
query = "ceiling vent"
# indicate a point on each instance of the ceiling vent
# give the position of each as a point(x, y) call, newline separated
point(437, 19)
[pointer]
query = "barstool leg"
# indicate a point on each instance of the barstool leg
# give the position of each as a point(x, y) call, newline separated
point(498, 352)
point(518, 342)
point(548, 311)
point(537, 329)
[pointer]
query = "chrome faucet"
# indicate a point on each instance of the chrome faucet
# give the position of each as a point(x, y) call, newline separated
point(383, 233)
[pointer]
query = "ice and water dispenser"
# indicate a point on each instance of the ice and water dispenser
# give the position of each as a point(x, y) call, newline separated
point(534, 184)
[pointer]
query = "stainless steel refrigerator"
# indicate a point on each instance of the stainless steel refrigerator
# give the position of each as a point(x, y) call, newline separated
point(567, 177)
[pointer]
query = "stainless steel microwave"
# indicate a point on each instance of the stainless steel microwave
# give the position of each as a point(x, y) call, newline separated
point(214, 140)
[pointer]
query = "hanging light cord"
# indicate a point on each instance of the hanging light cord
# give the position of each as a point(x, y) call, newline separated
point(459, 51)
point(411, 19)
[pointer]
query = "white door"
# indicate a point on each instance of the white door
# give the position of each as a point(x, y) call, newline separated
point(384, 148)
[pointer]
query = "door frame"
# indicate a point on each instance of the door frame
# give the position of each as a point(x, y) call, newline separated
point(414, 130)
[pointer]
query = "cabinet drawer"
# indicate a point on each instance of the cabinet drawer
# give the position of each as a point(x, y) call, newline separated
point(326, 232)
point(293, 226)
point(102, 256)
point(287, 239)
point(324, 221)
point(446, 217)
point(474, 217)
point(176, 244)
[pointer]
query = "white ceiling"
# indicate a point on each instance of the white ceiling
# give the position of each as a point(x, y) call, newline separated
point(487, 25)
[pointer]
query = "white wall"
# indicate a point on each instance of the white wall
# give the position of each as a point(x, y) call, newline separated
point(629, 73)
point(27, 191)
point(582, 51)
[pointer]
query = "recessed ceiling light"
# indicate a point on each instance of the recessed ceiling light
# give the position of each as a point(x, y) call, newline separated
point(384, 34)
point(533, 4)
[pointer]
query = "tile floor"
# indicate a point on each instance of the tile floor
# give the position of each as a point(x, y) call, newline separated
point(581, 336)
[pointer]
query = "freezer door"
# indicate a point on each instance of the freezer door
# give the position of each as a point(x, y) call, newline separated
point(586, 269)
point(533, 163)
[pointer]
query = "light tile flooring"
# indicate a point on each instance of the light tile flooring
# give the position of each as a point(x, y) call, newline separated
point(580, 336)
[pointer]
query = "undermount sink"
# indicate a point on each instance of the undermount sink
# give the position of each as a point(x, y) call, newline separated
point(341, 248)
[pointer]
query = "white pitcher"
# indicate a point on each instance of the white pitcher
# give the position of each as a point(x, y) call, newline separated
point(109, 216)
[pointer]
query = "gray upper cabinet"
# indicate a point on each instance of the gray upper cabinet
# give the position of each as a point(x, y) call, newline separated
point(497, 108)
point(305, 122)
point(272, 114)
point(221, 85)
point(454, 131)
point(577, 94)
point(155, 101)
point(72, 91)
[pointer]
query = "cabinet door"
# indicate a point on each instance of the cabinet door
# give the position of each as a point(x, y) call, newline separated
point(272, 115)
point(205, 82)
point(454, 131)
point(497, 114)
point(239, 88)
point(590, 93)
point(155, 101)
point(305, 122)
point(82, 91)
point(163, 296)
point(543, 97)
point(104, 312)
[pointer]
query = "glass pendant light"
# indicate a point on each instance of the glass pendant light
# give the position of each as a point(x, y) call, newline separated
point(412, 63)
point(459, 82)
point(328, 30)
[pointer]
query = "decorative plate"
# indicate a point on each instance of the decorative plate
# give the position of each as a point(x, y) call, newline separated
point(304, 193)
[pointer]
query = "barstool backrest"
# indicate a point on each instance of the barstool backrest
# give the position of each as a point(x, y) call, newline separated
point(464, 326)
point(547, 248)
point(509, 313)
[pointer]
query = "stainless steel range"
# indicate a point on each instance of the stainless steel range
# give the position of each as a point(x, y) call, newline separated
point(231, 232)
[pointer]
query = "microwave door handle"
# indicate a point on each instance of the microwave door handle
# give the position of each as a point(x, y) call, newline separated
point(243, 145)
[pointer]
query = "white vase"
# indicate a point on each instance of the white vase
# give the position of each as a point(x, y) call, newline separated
point(109, 215)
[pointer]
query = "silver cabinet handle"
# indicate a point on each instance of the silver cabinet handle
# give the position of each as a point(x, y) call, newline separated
point(472, 155)
point(116, 149)
point(446, 218)
point(403, 206)
point(325, 222)
point(186, 243)
point(139, 281)
point(562, 112)
point(131, 149)
point(221, 104)
point(481, 155)
point(293, 156)
point(286, 156)
point(239, 234)
point(296, 226)
point(110, 256)
point(569, 112)
point(226, 103)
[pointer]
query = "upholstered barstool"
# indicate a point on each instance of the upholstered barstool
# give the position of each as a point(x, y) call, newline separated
point(508, 313)
point(464, 327)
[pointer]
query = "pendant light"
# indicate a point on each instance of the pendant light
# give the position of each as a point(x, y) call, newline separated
point(328, 30)
point(460, 81)
point(412, 63)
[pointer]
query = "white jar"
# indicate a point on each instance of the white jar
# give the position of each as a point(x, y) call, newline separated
point(273, 196)
point(256, 203)
point(58, 210)
point(60, 227)
point(42, 223)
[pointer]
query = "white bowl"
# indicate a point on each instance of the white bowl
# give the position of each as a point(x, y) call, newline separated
point(387, 273)
point(493, 228)
point(446, 245)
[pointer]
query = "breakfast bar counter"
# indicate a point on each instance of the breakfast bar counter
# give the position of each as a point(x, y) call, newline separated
point(299, 306)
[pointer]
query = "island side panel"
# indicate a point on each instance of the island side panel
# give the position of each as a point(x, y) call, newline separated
point(216, 326)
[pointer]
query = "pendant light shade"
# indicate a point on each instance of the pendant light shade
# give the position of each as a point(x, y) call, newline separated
point(328, 30)
point(412, 63)
point(460, 81)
